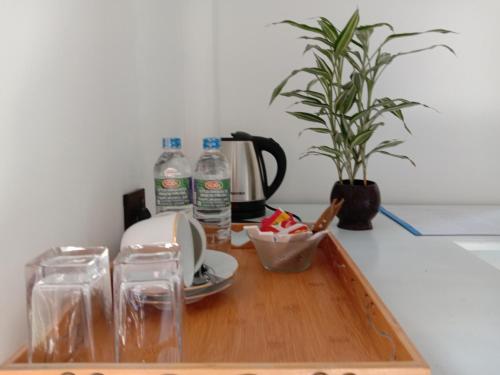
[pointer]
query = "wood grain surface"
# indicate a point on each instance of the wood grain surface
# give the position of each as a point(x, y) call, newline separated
point(327, 319)
point(279, 317)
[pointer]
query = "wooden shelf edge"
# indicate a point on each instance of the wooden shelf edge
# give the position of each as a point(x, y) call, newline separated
point(336, 368)
point(418, 359)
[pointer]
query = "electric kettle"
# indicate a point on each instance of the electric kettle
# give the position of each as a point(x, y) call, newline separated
point(249, 180)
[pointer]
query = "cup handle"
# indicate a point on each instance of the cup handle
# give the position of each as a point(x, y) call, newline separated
point(199, 243)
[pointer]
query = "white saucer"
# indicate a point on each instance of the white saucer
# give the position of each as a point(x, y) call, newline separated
point(223, 267)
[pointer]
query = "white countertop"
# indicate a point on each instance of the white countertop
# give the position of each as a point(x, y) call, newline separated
point(445, 298)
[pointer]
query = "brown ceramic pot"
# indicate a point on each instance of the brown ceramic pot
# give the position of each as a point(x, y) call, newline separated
point(361, 204)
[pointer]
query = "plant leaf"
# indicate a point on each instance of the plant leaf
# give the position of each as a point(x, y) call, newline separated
point(389, 105)
point(315, 47)
point(278, 89)
point(335, 159)
point(299, 94)
point(361, 138)
point(307, 117)
point(316, 130)
point(302, 26)
point(355, 117)
point(311, 84)
point(357, 79)
point(337, 138)
point(383, 58)
point(318, 39)
point(364, 36)
point(352, 61)
point(384, 145)
point(324, 66)
point(346, 99)
point(398, 113)
point(329, 30)
point(330, 150)
point(394, 108)
point(314, 104)
point(326, 149)
point(357, 54)
point(425, 49)
point(346, 34)
point(315, 94)
point(401, 100)
point(376, 125)
point(375, 25)
point(406, 35)
point(398, 156)
point(316, 71)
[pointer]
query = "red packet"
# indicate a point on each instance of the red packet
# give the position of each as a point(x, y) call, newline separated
point(274, 222)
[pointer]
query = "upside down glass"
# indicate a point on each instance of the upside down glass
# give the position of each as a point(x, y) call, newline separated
point(69, 305)
point(148, 303)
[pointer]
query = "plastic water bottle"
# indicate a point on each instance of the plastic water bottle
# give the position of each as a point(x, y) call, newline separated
point(173, 184)
point(212, 195)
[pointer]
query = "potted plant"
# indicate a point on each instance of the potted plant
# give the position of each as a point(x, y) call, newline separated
point(341, 103)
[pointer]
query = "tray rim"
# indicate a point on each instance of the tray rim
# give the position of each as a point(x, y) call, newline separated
point(417, 366)
point(370, 290)
point(285, 368)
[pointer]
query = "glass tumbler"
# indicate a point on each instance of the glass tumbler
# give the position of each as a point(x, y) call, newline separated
point(69, 305)
point(148, 303)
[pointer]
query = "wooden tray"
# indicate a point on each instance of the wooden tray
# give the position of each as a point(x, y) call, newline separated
point(327, 320)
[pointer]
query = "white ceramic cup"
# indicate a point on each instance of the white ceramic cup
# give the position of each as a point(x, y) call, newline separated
point(173, 227)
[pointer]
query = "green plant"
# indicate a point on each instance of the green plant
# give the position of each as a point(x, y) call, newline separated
point(340, 94)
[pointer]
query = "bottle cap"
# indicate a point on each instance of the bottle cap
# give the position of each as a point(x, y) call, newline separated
point(211, 143)
point(174, 143)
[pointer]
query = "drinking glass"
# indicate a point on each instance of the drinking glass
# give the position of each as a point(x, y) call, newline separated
point(68, 291)
point(148, 303)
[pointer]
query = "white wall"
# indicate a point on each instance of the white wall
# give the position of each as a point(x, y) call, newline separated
point(176, 79)
point(456, 151)
point(87, 89)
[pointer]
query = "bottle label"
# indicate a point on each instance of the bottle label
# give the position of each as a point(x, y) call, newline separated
point(212, 194)
point(173, 191)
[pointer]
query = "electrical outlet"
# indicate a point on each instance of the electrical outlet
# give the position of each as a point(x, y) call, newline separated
point(134, 207)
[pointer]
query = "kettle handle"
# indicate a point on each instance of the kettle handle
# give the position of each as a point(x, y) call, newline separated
point(270, 145)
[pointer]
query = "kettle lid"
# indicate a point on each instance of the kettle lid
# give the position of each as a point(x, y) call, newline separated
point(239, 136)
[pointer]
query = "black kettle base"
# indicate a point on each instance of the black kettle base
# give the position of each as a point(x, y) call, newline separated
point(241, 211)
